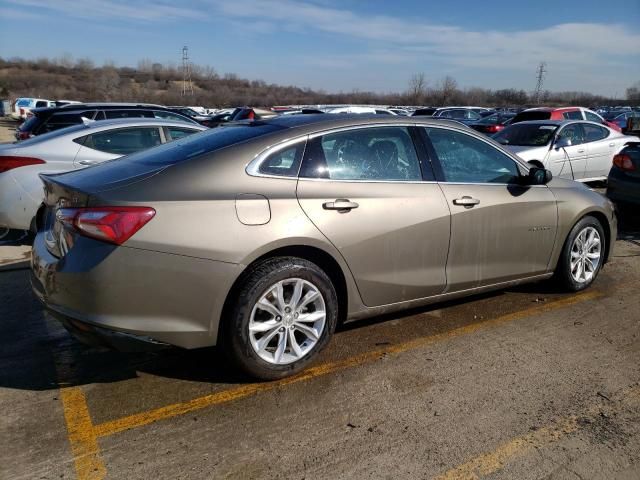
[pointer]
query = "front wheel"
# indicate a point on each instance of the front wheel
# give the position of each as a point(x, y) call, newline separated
point(582, 255)
point(285, 313)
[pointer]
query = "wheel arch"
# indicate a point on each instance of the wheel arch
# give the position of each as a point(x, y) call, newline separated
point(314, 254)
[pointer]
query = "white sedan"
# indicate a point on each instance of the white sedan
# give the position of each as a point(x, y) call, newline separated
point(71, 148)
point(577, 150)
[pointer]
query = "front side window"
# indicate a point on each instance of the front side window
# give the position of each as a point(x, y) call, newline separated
point(380, 153)
point(284, 162)
point(124, 141)
point(170, 116)
point(573, 132)
point(175, 133)
point(465, 159)
point(593, 133)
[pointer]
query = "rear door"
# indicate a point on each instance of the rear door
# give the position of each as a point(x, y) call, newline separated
point(109, 144)
point(364, 190)
point(601, 150)
point(500, 229)
point(571, 161)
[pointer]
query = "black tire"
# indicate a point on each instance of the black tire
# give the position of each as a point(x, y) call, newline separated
point(235, 338)
point(563, 277)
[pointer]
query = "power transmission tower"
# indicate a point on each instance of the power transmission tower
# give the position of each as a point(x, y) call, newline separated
point(540, 73)
point(187, 85)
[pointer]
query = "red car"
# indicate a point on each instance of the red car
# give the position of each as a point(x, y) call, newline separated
point(564, 113)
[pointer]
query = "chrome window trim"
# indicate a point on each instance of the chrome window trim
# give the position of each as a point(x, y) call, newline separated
point(253, 167)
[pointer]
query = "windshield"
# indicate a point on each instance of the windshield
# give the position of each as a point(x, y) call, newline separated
point(526, 135)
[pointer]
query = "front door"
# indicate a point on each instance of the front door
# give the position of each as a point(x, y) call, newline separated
point(501, 230)
point(571, 161)
point(364, 190)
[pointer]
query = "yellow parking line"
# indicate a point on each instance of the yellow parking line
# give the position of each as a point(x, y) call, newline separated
point(492, 462)
point(176, 409)
point(83, 440)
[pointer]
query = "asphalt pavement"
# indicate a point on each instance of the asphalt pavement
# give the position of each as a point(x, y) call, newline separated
point(524, 383)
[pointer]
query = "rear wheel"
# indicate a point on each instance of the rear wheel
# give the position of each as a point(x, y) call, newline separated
point(285, 313)
point(582, 255)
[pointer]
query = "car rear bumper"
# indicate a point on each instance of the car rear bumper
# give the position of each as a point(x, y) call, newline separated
point(115, 296)
point(623, 188)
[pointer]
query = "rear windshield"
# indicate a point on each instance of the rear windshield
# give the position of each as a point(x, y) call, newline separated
point(199, 144)
point(534, 115)
point(494, 119)
point(526, 135)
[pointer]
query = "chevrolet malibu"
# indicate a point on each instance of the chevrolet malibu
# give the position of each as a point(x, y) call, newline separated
point(262, 237)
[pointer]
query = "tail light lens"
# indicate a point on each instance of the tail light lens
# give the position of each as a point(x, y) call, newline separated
point(24, 135)
point(9, 163)
point(108, 224)
point(624, 162)
point(21, 111)
point(494, 128)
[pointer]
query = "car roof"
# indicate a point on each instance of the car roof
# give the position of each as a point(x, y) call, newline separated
point(88, 106)
point(310, 123)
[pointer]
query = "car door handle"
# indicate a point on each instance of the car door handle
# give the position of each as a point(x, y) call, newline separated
point(581, 150)
point(467, 202)
point(341, 204)
point(88, 162)
point(612, 144)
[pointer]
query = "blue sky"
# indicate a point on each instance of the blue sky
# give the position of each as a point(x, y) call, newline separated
point(341, 45)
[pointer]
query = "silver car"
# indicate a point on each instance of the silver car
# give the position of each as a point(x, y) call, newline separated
point(578, 150)
point(262, 237)
point(72, 148)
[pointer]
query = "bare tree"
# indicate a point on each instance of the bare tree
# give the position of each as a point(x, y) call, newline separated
point(417, 89)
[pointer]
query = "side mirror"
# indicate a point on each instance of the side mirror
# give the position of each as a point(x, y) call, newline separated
point(562, 142)
point(539, 176)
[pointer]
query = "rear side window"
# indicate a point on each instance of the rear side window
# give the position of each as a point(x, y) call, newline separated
point(576, 115)
point(124, 141)
point(128, 114)
point(285, 162)
point(42, 104)
point(592, 117)
point(383, 153)
point(63, 120)
point(593, 133)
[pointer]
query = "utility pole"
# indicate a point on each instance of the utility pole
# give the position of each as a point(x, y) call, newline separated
point(187, 85)
point(540, 74)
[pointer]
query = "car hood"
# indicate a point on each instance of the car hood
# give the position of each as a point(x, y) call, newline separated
point(528, 153)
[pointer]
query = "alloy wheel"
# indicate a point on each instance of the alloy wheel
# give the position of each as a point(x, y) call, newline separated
point(586, 253)
point(287, 321)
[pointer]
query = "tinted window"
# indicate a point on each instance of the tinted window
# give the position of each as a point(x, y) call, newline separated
point(592, 117)
point(576, 115)
point(176, 133)
point(593, 133)
point(466, 159)
point(41, 104)
point(573, 132)
point(124, 141)
point(285, 162)
point(526, 135)
point(532, 115)
point(128, 114)
point(170, 116)
point(63, 120)
point(23, 102)
point(384, 153)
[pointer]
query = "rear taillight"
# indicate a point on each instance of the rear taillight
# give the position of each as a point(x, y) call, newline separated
point(109, 224)
point(9, 163)
point(624, 162)
point(21, 111)
point(494, 128)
